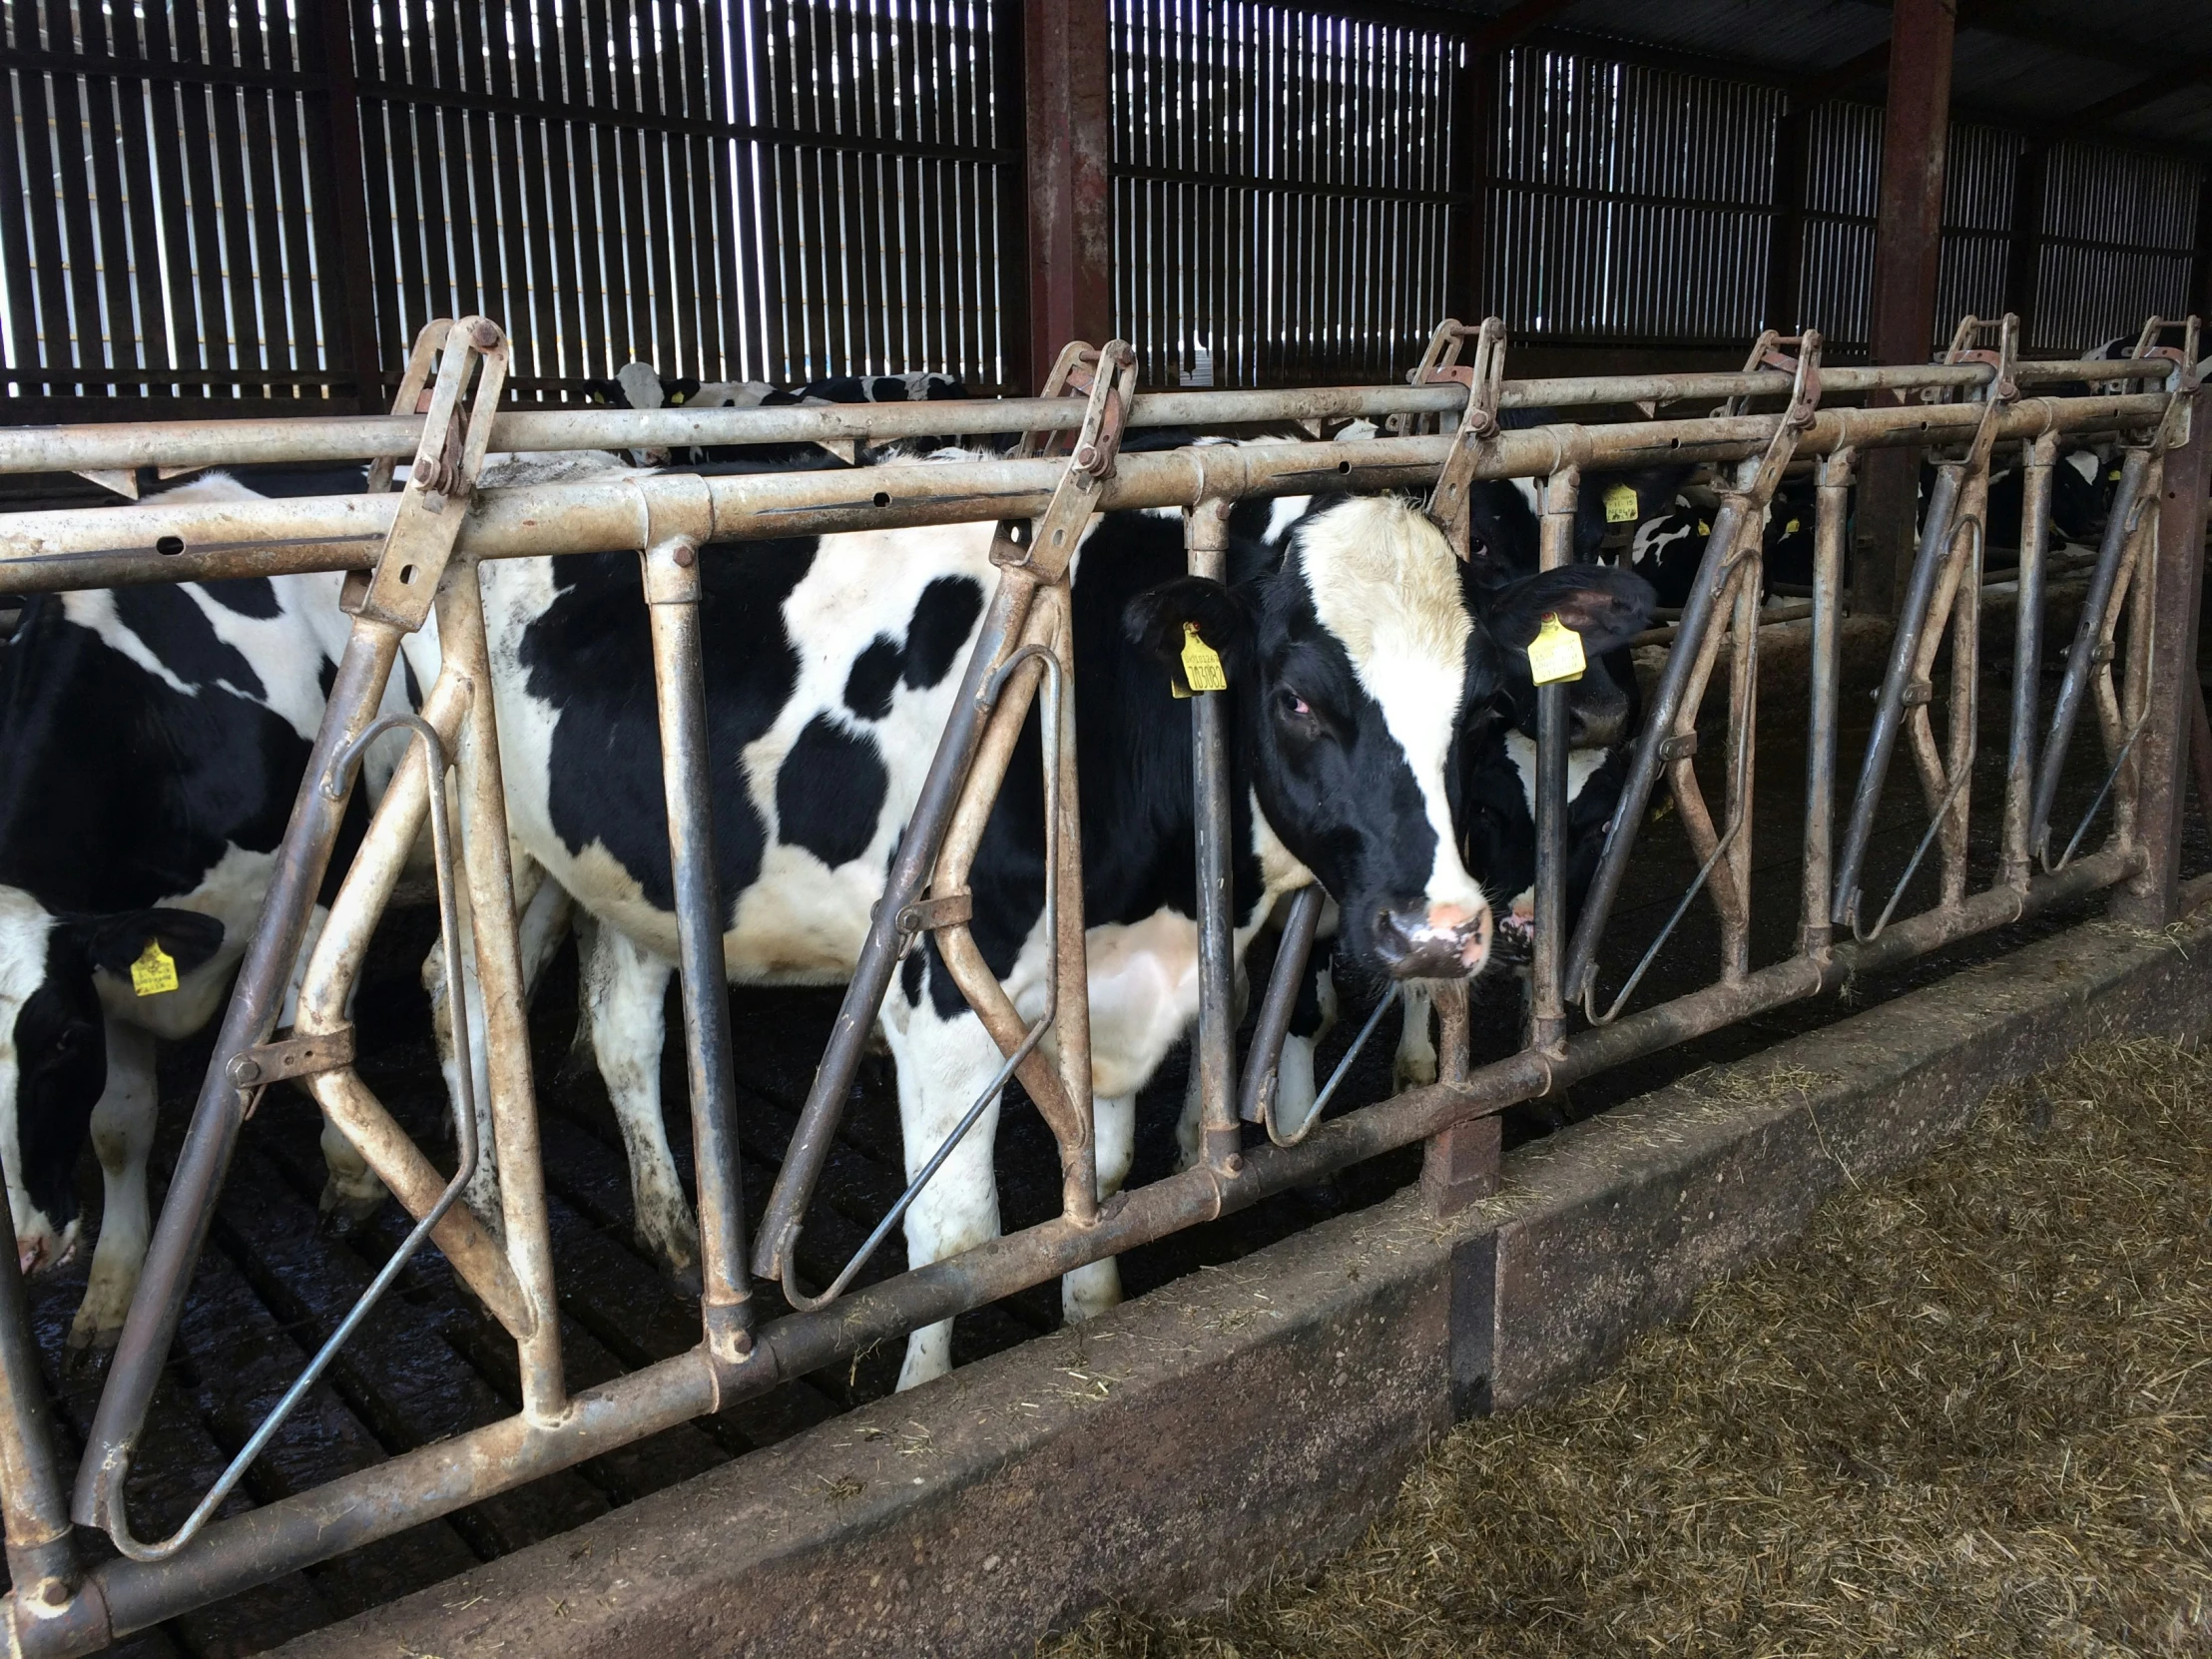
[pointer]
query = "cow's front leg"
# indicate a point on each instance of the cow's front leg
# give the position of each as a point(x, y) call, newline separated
point(122, 1136)
point(625, 994)
point(1092, 1289)
point(1416, 1062)
point(1313, 1017)
point(945, 1061)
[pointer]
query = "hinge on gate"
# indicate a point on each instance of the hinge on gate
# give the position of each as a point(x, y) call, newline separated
point(945, 909)
point(273, 1062)
point(1484, 378)
point(1107, 376)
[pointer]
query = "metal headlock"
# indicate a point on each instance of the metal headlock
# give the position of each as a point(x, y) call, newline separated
point(1028, 609)
point(1727, 575)
point(417, 551)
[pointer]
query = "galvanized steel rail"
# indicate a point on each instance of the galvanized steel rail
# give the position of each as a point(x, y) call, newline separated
point(420, 547)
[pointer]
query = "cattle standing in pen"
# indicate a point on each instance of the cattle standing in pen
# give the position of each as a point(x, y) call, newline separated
point(1357, 657)
point(152, 740)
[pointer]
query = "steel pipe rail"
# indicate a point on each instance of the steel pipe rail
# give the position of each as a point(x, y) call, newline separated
point(111, 546)
point(187, 445)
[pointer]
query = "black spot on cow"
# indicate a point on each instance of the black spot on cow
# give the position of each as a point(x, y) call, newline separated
point(868, 688)
point(254, 596)
point(943, 616)
point(414, 686)
point(829, 791)
point(910, 979)
point(180, 635)
point(328, 676)
point(590, 655)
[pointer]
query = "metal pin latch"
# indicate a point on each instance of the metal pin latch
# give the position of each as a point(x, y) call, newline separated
point(275, 1062)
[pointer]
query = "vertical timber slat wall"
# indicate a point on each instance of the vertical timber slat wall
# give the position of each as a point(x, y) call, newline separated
point(251, 208)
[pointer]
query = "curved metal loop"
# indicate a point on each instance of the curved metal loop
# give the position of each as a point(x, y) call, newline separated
point(336, 780)
point(794, 1292)
point(2042, 847)
point(1589, 981)
point(1387, 1000)
point(1927, 839)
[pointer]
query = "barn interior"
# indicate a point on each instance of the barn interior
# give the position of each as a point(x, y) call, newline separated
point(224, 213)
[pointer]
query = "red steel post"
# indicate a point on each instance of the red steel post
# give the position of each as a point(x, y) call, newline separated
point(1066, 59)
point(1907, 250)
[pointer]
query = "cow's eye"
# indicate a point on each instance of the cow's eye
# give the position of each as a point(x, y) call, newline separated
point(1296, 713)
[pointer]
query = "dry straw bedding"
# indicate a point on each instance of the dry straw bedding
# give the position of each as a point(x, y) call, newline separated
point(1970, 1413)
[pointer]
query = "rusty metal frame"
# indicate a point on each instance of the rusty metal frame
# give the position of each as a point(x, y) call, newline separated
point(442, 529)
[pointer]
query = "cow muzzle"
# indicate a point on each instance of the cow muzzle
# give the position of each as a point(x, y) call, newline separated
point(1438, 941)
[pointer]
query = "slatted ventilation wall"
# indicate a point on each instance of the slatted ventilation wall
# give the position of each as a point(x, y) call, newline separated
point(166, 236)
point(1843, 185)
point(1282, 198)
point(2117, 232)
point(1980, 163)
point(1627, 202)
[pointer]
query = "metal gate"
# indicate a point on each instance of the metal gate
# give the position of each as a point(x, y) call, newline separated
point(417, 551)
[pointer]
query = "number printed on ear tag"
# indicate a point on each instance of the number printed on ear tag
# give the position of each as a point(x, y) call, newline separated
point(1620, 504)
point(155, 971)
point(1555, 653)
point(1200, 662)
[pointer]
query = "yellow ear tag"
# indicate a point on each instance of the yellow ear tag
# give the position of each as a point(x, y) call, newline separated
point(1555, 653)
point(1201, 663)
point(1792, 528)
point(155, 971)
point(1703, 528)
point(2113, 476)
point(1620, 504)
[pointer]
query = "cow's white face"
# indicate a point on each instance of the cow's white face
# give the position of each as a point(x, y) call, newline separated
point(1356, 665)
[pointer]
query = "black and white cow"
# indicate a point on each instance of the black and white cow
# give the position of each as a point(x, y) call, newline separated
point(152, 740)
point(640, 386)
point(1359, 656)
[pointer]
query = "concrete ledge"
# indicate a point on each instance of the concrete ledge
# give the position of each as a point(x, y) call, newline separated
point(1170, 1453)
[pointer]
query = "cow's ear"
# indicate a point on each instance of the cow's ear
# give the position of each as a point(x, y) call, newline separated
point(115, 943)
point(1157, 619)
point(1606, 605)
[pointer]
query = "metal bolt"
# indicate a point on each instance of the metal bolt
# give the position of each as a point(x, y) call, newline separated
point(741, 1344)
point(485, 333)
point(246, 1071)
point(1087, 456)
point(684, 555)
point(1233, 1164)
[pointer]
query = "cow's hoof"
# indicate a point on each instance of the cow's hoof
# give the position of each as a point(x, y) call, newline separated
point(678, 1261)
point(91, 1341)
point(339, 1211)
point(1413, 1073)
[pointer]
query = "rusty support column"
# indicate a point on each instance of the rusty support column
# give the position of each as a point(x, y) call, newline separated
point(1786, 232)
point(1206, 531)
point(1066, 52)
point(1460, 1163)
point(1907, 250)
point(2024, 263)
point(334, 162)
point(2150, 900)
point(1474, 84)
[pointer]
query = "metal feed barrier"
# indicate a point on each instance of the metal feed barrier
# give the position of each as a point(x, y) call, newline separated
point(415, 552)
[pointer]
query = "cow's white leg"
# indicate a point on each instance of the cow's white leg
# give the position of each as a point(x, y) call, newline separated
point(1092, 1289)
point(942, 1064)
point(625, 990)
point(1417, 1047)
point(1295, 1085)
point(122, 1136)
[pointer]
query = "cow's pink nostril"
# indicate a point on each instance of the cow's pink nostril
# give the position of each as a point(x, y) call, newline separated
point(1449, 918)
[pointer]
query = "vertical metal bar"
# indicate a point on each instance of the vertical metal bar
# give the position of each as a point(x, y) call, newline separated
point(2028, 664)
point(204, 1155)
point(42, 1554)
point(1888, 717)
point(1070, 943)
point(2118, 530)
point(1832, 522)
point(670, 571)
point(1965, 680)
point(1206, 531)
point(488, 870)
point(1548, 1020)
point(1733, 898)
point(1257, 1097)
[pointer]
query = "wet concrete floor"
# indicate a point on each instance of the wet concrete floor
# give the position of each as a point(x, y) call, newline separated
point(428, 1364)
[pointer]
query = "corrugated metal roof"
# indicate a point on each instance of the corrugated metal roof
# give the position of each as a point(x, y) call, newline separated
point(2033, 63)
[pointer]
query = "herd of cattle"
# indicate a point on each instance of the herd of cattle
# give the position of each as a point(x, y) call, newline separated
point(152, 740)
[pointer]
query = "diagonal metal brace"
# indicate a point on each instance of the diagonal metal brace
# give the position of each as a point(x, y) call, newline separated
point(1484, 378)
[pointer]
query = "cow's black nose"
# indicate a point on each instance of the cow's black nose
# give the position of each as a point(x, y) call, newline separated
point(1433, 942)
point(1597, 725)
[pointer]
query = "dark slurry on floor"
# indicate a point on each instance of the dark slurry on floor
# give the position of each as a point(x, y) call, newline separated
point(428, 1364)
point(1965, 1416)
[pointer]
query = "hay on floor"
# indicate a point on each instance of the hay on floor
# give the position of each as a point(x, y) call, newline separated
point(1972, 1414)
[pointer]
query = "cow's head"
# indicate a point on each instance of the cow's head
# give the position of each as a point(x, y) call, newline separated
point(1497, 834)
point(1359, 662)
point(52, 1048)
